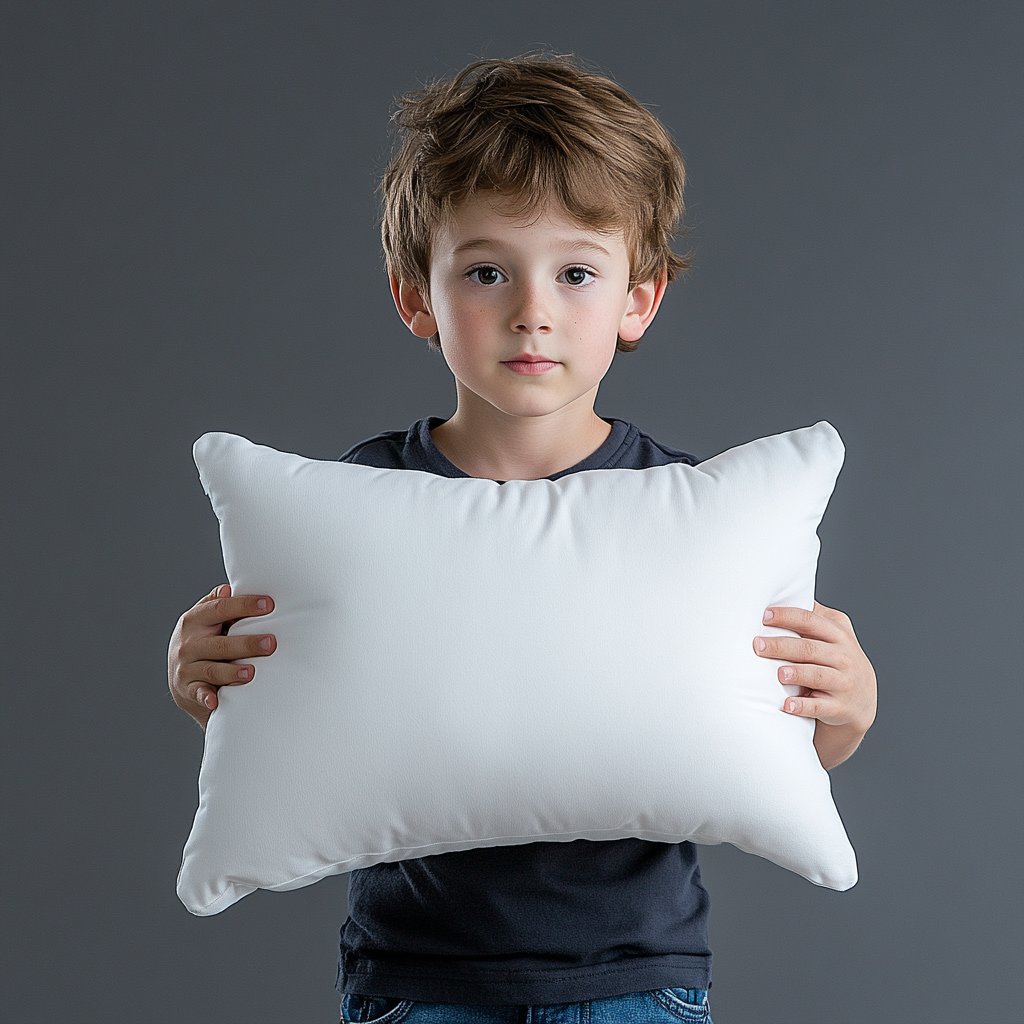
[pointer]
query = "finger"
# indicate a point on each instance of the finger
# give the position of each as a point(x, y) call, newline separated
point(821, 707)
point(216, 611)
point(825, 681)
point(211, 676)
point(220, 673)
point(221, 590)
point(801, 650)
point(806, 623)
point(216, 648)
point(198, 678)
point(206, 697)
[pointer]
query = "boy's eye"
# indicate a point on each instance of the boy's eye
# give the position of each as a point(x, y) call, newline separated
point(577, 275)
point(486, 275)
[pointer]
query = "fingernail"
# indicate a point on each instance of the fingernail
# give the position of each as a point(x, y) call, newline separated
point(786, 673)
point(243, 673)
point(261, 605)
point(793, 706)
point(768, 615)
point(266, 643)
point(759, 644)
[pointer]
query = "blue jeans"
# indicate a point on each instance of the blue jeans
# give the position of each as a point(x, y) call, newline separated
point(662, 1006)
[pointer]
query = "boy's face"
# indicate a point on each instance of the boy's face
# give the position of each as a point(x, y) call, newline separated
point(529, 313)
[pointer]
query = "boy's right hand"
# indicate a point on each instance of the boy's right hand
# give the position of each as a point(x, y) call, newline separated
point(199, 655)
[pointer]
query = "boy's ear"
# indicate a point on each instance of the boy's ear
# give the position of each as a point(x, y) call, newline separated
point(644, 300)
point(413, 308)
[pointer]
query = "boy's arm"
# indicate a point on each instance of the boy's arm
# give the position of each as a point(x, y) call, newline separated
point(837, 682)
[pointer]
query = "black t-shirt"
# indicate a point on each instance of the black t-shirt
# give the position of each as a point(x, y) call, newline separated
point(540, 923)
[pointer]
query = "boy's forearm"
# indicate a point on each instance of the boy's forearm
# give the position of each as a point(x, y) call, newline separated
point(835, 743)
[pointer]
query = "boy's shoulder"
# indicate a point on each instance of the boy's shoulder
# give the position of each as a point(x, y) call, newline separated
point(626, 447)
point(413, 448)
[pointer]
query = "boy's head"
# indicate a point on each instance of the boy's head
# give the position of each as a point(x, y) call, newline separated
point(533, 132)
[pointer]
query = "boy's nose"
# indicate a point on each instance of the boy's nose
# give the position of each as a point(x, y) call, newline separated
point(530, 315)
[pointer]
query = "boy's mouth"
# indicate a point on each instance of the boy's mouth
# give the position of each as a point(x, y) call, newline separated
point(530, 364)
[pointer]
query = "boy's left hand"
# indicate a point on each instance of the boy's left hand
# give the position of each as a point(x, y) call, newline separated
point(836, 680)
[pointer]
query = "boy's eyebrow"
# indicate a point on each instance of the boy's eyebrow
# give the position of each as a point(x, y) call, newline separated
point(573, 244)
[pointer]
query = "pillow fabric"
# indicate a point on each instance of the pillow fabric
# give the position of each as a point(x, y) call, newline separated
point(575, 662)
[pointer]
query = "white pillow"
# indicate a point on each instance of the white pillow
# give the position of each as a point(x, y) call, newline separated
point(464, 664)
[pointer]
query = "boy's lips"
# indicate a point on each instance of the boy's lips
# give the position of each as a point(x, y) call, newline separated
point(529, 364)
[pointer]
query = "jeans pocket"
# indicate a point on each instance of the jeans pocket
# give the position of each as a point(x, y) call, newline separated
point(677, 1001)
point(356, 1009)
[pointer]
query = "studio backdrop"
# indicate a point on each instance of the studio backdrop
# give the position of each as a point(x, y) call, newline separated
point(191, 244)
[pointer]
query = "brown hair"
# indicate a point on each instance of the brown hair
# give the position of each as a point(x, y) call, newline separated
point(531, 129)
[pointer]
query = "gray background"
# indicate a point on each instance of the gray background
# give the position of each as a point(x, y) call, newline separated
point(190, 244)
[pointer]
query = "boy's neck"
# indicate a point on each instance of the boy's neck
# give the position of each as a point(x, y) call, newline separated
point(484, 442)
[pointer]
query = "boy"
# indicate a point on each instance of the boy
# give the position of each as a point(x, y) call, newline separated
point(526, 227)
